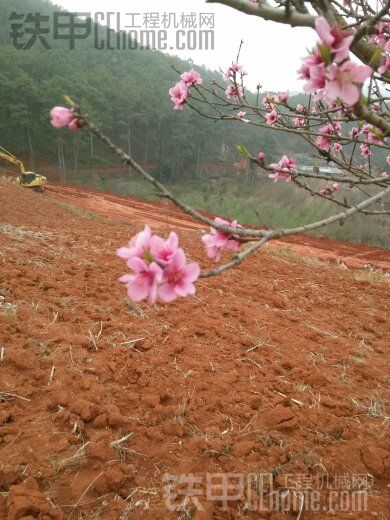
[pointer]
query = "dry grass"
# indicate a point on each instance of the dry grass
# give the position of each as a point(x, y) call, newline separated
point(20, 233)
point(7, 308)
point(376, 408)
point(371, 274)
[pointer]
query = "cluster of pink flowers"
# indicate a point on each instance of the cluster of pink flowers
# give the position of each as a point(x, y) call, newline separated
point(328, 71)
point(233, 70)
point(217, 240)
point(159, 268)
point(322, 140)
point(61, 116)
point(327, 191)
point(381, 38)
point(283, 169)
point(270, 100)
point(234, 92)
point(372, 135)
point(181, 91)
point(298, 121)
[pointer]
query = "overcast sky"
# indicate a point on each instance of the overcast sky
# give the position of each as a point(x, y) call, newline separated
point(271, 52)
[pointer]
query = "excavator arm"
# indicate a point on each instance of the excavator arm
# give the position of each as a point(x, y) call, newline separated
point(11, 158)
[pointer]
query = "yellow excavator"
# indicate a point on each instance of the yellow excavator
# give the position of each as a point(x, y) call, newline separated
point(26, 179)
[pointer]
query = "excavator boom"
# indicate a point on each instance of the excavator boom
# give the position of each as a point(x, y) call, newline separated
point(11, 158)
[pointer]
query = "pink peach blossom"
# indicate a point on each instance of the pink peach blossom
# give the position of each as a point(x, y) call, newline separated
point(365, 150)
point(283, 97)
point(313, 71)
point(323, 143)
point(271, 117)
point(191, 78)
point(218, 240)
point(342, 81)
point(162, 250)
point(338, 41)
point(298, 121)
point(234, 92)
point(179, 95)
point(385, 61)
point(61, 116)
point(144, 283)
point(354, 132)
point(178, 278)
point(139, 246)
point(75, 124)
point(280, 176)
point(283, 169)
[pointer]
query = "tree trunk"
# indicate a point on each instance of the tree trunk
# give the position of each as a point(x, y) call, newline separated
point(91, 157)
point(75, 158)
point(61, 161)
point(198, 160)
point(32, 162)
point(146, 144)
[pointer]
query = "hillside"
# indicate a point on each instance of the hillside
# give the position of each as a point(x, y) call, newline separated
point(125, 91)
point(276, 369)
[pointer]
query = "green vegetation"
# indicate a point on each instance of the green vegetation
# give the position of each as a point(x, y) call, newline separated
point(258, 202)
point(81, 211)
point(124, 91)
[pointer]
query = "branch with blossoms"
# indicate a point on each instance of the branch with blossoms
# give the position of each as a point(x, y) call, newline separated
point(158, 267)
point(347, 14)
point(334, 83)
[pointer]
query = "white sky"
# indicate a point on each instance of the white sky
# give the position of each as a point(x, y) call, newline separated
point(271, 53)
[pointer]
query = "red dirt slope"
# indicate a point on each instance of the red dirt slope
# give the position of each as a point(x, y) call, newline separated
point(157, 214)
point(279, 368)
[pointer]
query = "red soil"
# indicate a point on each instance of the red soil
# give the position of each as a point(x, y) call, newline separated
point(160, 214)
point(278, 368)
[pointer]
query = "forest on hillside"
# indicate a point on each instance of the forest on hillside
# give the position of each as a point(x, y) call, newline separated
point(124, 91)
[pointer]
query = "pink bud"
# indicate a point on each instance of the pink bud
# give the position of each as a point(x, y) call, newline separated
point(261, 156)
point(60, 116)
point(75, 125)
point(283, 97)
